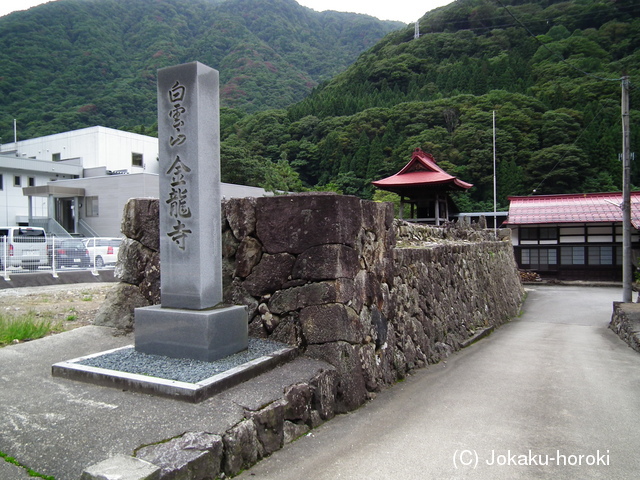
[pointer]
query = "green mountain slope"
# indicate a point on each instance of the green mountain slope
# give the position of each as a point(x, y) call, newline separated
point(75, 63)
point(550, 70)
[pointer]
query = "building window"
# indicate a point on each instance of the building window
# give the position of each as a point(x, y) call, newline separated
point(136, 159)
point(528, 233)
point(538, 233)
point(600, 255)
point(548, 233)
point(1, 182)
point(17, 181)
point(56, 157)
point(91, 206)
point(572, 256)
point(539, 258)
point(32, 181)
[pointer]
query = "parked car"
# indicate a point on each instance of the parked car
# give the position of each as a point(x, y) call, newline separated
point(24, 247)
point(102, 251)
point(68, 252)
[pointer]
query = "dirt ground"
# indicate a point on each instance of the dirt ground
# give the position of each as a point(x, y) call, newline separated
point(69, 306)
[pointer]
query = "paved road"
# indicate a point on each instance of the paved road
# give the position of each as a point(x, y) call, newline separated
point(554, 387)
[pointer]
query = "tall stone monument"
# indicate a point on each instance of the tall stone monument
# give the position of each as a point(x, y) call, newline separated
point(190, 322)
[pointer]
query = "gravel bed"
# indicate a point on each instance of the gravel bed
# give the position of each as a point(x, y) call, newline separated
point(180, 369)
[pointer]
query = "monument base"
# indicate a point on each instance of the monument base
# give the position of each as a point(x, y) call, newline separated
point(205, 335)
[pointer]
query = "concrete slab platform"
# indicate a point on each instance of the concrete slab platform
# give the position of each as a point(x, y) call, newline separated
point(9, 471)
point(122, 467)
point(190, 392)
point(58, 427)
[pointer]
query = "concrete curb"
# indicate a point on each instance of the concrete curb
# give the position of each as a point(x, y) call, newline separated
point(575, 283)
point(477, 336)
point(37, 279)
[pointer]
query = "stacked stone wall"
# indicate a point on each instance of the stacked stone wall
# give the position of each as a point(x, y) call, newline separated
point(344, 282)
point(625, 322)
point(340, 279)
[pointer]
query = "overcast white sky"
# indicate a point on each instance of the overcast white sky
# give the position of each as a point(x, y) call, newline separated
point(406, 11)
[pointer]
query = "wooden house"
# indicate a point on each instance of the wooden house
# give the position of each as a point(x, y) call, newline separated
point(572, 236)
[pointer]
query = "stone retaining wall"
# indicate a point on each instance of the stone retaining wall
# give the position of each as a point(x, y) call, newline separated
point(344, 282)
point(625, 322)
point(206, 455)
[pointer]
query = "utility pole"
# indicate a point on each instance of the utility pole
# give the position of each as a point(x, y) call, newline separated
point(495, 182)
point(627, 267)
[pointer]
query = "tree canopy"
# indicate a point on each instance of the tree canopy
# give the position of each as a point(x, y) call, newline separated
point(298, 114)
point(75, 63)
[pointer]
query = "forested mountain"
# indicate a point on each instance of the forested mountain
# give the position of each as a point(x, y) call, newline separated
point(74, 63)
point(550, 70)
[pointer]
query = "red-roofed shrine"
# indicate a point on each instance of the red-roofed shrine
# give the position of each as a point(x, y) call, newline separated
point(425, 186)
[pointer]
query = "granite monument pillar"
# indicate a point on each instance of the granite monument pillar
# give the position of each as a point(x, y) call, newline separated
point(190, 322)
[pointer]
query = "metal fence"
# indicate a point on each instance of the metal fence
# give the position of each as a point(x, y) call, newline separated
point(26, 251)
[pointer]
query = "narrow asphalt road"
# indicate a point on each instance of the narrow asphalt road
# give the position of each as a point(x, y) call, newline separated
point(553, 394)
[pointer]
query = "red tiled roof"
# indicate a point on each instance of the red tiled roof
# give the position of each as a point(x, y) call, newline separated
point(572, 208)
point(421, 170)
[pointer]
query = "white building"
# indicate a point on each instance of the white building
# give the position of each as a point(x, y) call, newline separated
point(18, 173)
point(79, 181)
point(92, 147)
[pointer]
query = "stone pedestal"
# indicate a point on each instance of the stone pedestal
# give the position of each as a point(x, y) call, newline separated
point(205, 335)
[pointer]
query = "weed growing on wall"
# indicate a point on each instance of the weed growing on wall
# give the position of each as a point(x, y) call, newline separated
point(29, 471)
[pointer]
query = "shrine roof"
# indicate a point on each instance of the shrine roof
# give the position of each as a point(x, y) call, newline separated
point(422, 170)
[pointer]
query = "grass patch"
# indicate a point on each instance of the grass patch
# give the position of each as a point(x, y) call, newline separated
point(72, 316)
point(23, 327)
point(86, 296)
point(521, 311)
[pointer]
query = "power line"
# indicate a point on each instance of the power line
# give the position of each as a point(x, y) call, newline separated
point(597, 77)
point(544, 45)
point(574, 142)
point(624, 9)
point(633, 10)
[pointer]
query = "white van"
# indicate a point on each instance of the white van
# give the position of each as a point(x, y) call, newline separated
point(24, 247)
